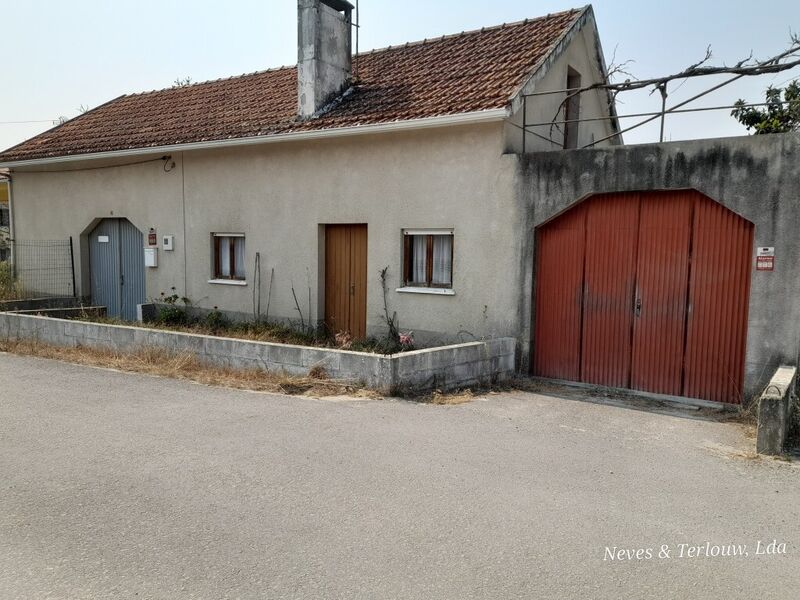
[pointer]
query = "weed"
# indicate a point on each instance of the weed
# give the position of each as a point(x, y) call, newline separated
point(10, 288)
point(793, 429)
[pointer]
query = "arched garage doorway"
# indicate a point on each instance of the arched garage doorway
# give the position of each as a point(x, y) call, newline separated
point(647, 291)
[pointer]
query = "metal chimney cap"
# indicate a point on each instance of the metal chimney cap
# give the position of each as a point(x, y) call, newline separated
point(341, 5)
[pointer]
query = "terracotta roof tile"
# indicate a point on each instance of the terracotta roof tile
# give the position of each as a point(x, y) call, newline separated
point(466, 72)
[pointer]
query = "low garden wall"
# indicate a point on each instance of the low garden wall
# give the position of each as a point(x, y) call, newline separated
point(442, 368)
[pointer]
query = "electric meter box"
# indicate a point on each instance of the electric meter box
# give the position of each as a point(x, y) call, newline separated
point(151, 257)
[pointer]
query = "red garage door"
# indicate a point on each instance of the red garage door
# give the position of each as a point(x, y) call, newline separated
point(647, 291)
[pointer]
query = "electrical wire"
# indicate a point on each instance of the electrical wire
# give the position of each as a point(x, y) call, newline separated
point(166, 160)
point(25, 122)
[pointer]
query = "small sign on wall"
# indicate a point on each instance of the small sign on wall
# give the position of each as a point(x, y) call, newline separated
point(765, 259)
point(102, 239)
point(152, 238)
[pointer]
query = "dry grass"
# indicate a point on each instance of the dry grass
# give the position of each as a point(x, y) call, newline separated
point(450, 398)
point(277, 333)
point(157, 361)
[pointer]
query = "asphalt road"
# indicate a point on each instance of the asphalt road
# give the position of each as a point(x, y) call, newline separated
point(115, 485)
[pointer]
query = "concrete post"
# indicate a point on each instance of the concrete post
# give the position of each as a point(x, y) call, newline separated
point(774, 409)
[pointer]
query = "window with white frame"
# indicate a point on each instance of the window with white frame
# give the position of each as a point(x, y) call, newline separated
point(228, 256)
point(428, 258)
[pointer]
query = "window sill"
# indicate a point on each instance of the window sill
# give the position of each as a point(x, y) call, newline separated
point(425, 290)
point(227, 282)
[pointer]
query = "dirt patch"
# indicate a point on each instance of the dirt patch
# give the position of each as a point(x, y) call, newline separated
point(157, 361)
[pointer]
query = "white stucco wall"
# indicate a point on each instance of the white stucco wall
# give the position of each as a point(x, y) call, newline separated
point(279, 196)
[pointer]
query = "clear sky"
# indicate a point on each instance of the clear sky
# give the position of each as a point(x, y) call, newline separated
point(58, 55)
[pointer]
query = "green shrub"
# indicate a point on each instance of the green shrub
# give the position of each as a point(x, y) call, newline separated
point(173, 313)
point(216, 321)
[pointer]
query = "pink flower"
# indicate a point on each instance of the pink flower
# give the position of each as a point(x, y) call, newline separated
point(407, 339)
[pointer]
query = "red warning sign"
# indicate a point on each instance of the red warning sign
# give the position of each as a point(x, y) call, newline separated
point(765, 263)
point(765, 259)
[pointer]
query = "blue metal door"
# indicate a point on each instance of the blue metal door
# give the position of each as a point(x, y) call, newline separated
point(116, 258)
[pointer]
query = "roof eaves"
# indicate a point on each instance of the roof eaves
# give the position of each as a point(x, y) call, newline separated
point(55, 127)
point(483, 116)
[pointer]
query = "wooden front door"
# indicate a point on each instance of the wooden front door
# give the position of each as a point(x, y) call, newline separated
point(346, 279)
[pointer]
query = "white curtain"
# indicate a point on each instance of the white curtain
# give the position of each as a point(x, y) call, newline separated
point(238, 251)
point(442, 259)
point(419, 272)
point(224, 256)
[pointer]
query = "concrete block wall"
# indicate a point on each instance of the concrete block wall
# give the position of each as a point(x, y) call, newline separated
point(476, 363)
point(443, 368)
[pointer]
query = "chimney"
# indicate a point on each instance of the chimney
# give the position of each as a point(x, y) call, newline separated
point(324, 29)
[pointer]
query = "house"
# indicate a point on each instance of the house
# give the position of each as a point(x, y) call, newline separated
point(458, 167)
point(307, 181)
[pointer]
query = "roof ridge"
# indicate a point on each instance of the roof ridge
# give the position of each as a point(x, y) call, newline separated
point(209, 81)
point(366, 52)
point(470, 32)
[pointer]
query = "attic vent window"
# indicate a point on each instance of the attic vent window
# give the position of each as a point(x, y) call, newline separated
point(573, 109)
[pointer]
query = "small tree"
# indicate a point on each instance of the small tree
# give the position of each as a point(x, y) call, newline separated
point(781, 114)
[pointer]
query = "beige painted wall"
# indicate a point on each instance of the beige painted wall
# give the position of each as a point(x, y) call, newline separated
point(581, 52)
point(278, 195)
point(51, 205)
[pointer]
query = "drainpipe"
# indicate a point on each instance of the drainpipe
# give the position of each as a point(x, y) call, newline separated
point(12, 237)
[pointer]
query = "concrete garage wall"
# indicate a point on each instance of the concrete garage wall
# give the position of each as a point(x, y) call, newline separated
point(757, 177)
point(441, 368)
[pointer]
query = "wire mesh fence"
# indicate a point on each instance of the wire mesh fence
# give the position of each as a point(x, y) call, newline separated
point(44, 267)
